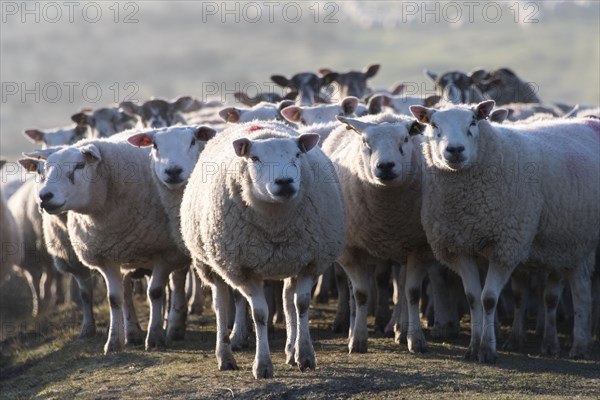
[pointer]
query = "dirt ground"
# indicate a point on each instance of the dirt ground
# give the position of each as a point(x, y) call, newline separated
point(43, 359)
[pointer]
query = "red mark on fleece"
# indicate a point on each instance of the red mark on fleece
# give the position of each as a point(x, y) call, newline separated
point(254, 128)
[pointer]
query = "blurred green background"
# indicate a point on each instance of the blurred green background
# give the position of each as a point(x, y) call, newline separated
point(99, 53)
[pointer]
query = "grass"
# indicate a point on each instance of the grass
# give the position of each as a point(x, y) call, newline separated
point(57, 365)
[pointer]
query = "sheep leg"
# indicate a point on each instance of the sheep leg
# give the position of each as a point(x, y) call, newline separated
point(220, 295)
point(469, 273)
point(156, 295)
point(291, 319)
point(342, 312)
point(581, 284)
point(178, 310)
point(83, 277)
point(382, 312)
point(552, 292)
point(114, 287)
point(395, 318)
point(35, 298)
point(446, 323)
point(519, 282)
point(415, 273)
point(323, 285)
point(278, 294)
point(254, 293)
point(359, 277)
point(133, 330)
point(496, 278)
point(304, 351)
point(239, 332)
point(196, 302)
point(401, 331)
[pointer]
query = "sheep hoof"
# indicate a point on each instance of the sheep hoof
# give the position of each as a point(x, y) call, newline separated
point(290, 355)
point(306, 363)
point(514, 343)
point(228, 364)
point(113, 346)
point(579, 352)
point(550, 347)
point(262, 370)
point(487, 355)
point(87, 331)
point(156, 340)
point(471, 353)
point(357, 345)
point(417, 343)
point(176, 334)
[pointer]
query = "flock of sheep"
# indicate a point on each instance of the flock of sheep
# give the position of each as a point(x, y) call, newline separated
point(310, 186)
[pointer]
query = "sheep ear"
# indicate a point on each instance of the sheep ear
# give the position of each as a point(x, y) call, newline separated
point(416, 128)
point(130, 107)
point(478, 75)
point(242, 147)
point(432, 75)
point(35, 135)
point(422, 114)
point(91, 153)
point(432, 100)
point(182, 104)
point(42, 154)
point(325, 71)
point(349, 105)
point(280, 80)
point(291, 95)
point(292, 114)
point(377, 102)
point(82, 118)
point(230, 114)
point(205, 133)
point(354, 124)
point(329, 78)
point(371, 70)
point(141, 140)
point(499, 115)
point(307, 141)
point(483, 109)
point(398, 89)
point(29, 165)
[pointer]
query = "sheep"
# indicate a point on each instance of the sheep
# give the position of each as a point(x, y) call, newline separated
point(269, 97)
point(57, 136)
point(249, 225)
point(159, 113)
point(307, 84)
point(115, 220)
point(457, 87)
point(260, 112)
point(399, 103)
point(490, 194)
point(11, 237)
point(320, 113)
point(105, 121)
point(352, 83)
point(378, 165)
point(504, 86)
point(173, 156)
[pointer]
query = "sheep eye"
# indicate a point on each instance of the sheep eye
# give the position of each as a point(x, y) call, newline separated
point(193, 142)
point(79, 165)
point(303, 121)
point(434, 126)
point(406, 140)
point(255, 159)
point(155, 146)
point(298, 154)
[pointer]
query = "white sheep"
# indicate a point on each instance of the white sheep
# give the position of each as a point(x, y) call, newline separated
point(322, 113)
point(115, 220)
point(11, 238)
point(106, 121)
point(490, 193)
point(174, 154)
point(379, 165)
point(264, 203)
point(159, 113)
point(262, 111)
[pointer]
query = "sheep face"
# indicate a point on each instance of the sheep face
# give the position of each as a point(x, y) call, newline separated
point(175, 151)
point(452, 134)
point(306, 84)
point(321, 113)
point(158, 113)
point(69, 174)
point(385, 149)
point(57, 137)
point(106, 121)
point(274, 166)
point(353, 83)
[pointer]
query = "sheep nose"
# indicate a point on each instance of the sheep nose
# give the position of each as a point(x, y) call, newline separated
point(386, 166)
point(174, 172)
point(284, 181)
point(455, 150)
point(46, 196)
